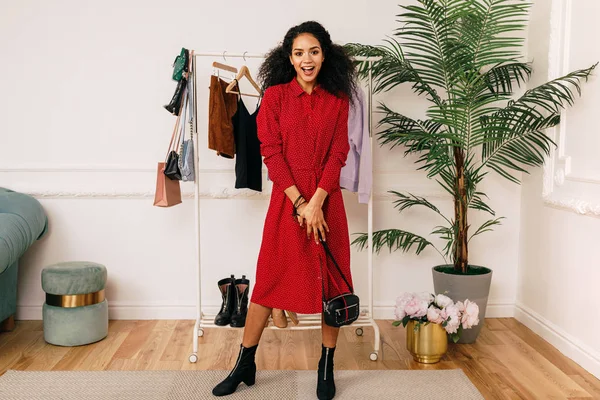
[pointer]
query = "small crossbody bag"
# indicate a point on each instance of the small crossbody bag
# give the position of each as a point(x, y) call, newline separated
point(343, 309)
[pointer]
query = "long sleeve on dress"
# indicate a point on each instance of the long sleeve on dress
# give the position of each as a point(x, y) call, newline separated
point(338, 152)
point(271, 143)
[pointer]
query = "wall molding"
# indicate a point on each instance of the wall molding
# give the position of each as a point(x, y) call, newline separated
point(101, 182)
point(557, 167)
point(219, 193)
point(124, 168)
point(581, 207)
point(100, 168)
point(567, 344)
point(224, 193)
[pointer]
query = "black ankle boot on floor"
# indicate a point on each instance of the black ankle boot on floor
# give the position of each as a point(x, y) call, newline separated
point(244, 371)
point(227, 288)
point(325, 383)
point(241, 288)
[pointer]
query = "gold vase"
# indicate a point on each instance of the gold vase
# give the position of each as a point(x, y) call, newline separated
point(428, 343)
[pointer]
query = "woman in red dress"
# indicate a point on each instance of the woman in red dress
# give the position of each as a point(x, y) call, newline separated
point(303, 129)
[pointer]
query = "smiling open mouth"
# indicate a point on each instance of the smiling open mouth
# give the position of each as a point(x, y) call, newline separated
point(308, 71)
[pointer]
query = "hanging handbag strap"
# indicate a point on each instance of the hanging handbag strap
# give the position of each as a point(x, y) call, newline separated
point(175, 132)
point(326, 247)
point(182, 123)
point(186, 109)
point(191, 76)
point(184, 112)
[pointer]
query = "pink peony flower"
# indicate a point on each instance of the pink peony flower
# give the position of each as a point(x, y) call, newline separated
point(451, 315)
point(442, 300)
point(428, 297)
point(470, 314)
point(416, 307)
point(434, 315)
point(401, 302)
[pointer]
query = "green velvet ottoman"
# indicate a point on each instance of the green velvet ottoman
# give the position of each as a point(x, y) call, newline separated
point(75, 312)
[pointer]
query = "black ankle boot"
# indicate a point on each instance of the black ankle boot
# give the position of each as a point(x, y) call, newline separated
point(325, 383)
point(227, 288)
point(175, 104)
point(244, 371)
point(238, 318)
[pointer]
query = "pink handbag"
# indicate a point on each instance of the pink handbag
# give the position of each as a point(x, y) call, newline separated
point(168, 191)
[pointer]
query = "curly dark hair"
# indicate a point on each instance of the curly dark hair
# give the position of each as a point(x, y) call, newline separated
point(337, 74)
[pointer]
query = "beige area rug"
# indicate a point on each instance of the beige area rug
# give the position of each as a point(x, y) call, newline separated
point(172, 385)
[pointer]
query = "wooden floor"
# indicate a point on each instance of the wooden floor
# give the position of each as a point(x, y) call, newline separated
point(508, 361)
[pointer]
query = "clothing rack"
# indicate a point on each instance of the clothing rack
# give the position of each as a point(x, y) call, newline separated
point(305, 321)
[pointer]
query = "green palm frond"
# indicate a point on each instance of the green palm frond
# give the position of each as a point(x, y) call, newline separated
point(527, 144)
point(484, 30)
point(487, 226)
point(477, 203)
point(392, 70)
point(514, 137)
point(499, 79)
point(388, 61)
point(555, 95)
point(404, 202)
point(394, 239)
point(447, 181)
point(426, 138)
point(416, 135)
point(429, 36)
point(448, 234)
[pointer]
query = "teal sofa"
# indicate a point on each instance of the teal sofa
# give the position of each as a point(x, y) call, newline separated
point(22, 222)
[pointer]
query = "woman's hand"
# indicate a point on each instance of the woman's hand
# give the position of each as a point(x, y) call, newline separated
point(300, 209)
point(312, 214)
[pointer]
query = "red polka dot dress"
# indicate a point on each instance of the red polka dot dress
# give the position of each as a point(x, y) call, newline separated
point(304, 141)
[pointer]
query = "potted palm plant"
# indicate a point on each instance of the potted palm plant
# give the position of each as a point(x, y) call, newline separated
point(464, 57)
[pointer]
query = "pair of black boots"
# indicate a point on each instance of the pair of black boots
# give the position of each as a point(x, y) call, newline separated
point(245, 371)
point(234, 307)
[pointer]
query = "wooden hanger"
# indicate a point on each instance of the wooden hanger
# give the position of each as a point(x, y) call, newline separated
point(244, 72)
point(226, 67)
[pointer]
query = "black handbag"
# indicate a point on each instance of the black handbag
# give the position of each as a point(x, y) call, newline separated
point(343, 309)
point(172, 170)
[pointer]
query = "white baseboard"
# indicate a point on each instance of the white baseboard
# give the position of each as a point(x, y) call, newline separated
point(500, 310)
point(130, 311)
point(570, 346)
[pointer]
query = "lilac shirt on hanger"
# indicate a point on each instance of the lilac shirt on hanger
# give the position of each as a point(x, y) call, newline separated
point(356, 175)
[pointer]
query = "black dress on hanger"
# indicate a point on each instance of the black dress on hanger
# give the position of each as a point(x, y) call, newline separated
point(248, 163)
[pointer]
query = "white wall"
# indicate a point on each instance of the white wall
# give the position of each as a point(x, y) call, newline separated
point(559, 259)
point(82, 127)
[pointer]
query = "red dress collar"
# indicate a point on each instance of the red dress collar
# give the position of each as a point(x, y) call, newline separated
point(297, 90)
